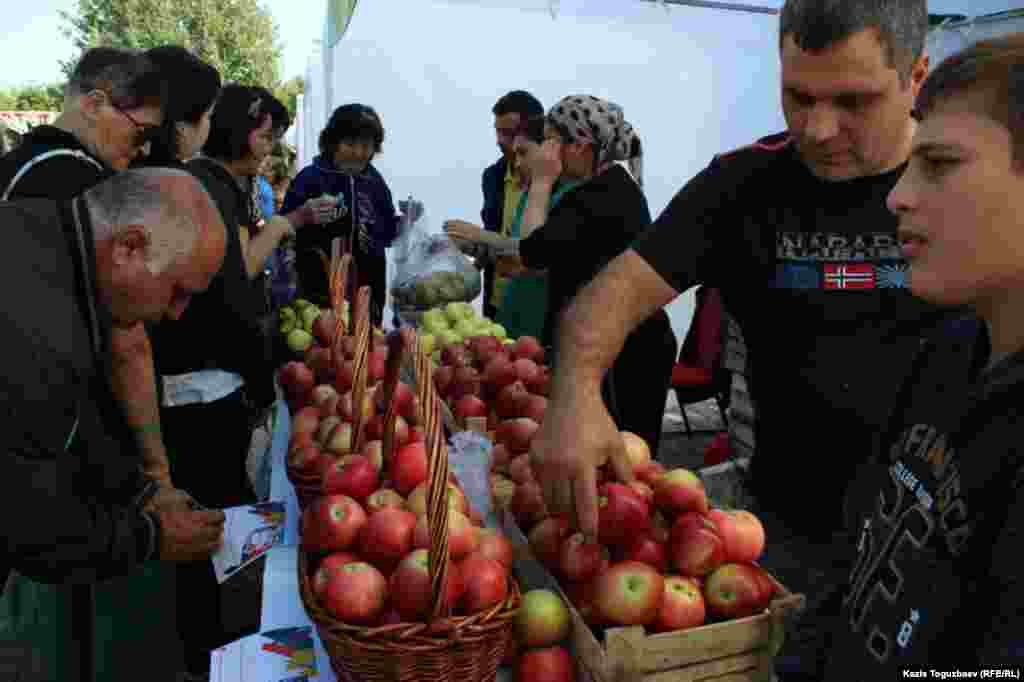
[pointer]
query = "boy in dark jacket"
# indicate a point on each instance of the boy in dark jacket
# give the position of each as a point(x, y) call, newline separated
point(937, 583)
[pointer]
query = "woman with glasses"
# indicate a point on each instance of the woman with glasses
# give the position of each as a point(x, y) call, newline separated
point(364, 212)
point(583, 209)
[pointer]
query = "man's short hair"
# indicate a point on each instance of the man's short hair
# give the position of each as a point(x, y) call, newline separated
point(518, 102)
point(902, 26)
point(130, 78)
point(137, 197)
point(994, 70)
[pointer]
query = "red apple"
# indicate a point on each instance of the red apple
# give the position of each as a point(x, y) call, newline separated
point(443, 376)
point(410, 588)
point(500, 456)
point(649, 473)
point(484, 583)
point(527, 370)
point(409, 468)
point(374, 451)
point(402, 398)
point(456, 355)
point(304, 458)
point(332, 523)
point(547, 537)
point(327, 567)
point(629, 593)
point(542, 619)
point(296, 378)
point(345, 376)
point(383, 499)
point(356, 593)
point(553, 664)
point(735, 591)
point(324, 327)
point(527, 505)
point(645, 492)
point(695, 545)
point(519, 469)
point(511, 400)
point(306, 420)
point(346, 406)
point(339, 442)
point(742, 534)
point(679, 491)
point(480, 343)
point(463, 536)
point(469, 406)
point(323, 432)
point(637, 449)
point(499, 372)
point(387, 536)
point(528, 347)
point(494, 545)
point(580, 560)
point(376, 363)
point(535, 407)
point(582, 597)
point(623, 514)
point(354, 476)
point(682, 605)
point(516, 434)
point(416, 434)
point(465, 381)
point(645, 549)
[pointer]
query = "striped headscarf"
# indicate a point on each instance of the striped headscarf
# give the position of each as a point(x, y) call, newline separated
point(601, 123)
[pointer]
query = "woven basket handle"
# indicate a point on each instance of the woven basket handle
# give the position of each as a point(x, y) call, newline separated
point(437, 477)
point(361, 367)
point(398, 345)
point(338, 292)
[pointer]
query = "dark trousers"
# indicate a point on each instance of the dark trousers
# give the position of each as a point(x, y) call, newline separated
point(371, 271)
point(637, 386)
point(207, 445)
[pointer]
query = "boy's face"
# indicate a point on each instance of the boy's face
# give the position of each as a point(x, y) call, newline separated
point(961, 207)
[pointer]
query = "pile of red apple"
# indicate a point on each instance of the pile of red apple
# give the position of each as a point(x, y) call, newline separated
point(366, 535)
point(507, 384)
point(663, 557)
point(543, 624)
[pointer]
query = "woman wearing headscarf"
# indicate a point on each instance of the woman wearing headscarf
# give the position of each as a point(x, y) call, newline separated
point(586, 143)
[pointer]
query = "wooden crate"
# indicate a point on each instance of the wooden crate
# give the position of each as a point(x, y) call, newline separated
point(736, 651)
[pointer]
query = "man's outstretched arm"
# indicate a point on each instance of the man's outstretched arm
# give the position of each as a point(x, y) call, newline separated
point(578, 434)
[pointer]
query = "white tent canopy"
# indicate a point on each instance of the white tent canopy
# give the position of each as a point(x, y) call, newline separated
point(694, 81)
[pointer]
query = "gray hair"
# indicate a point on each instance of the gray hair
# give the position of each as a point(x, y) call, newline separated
point(137, 197)
point(128, 76)
point(902, 26)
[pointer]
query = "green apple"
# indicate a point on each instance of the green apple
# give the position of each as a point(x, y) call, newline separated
point(287, 314)
point(499, 331)
point(434, 321)
point(427, 342)
point(436, 357)
point(309, 316)
point(301, 304)
point(449, 336)
point(466, 328)
point(299, 340)
point(467, 310)
point(287, 326)
point(509, 342)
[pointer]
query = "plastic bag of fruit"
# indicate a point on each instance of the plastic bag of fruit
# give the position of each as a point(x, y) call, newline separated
point(469, 455)
point(429, 269)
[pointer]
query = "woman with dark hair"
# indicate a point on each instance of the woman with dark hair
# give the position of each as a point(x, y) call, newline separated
point(599, 211)
point(215, 360)
point(365, 217)
point(193, 86)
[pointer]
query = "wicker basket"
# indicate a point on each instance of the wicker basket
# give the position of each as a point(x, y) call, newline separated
point(309, 486)
point(448, 647)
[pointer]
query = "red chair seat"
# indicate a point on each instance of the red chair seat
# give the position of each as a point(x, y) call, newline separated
point(686, 376)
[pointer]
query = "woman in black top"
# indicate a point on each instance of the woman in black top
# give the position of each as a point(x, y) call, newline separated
point(584, 139)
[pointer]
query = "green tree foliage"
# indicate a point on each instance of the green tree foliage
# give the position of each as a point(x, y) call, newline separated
point(288, 92)
point(239, 37)
point(32, 98)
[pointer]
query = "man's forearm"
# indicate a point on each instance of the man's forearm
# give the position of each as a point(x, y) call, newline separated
point(262, 245)
point(537, 203)
point(133, 380)
point(593, 329)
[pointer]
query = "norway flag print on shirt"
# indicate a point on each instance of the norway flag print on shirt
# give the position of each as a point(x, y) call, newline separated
point(835, 262)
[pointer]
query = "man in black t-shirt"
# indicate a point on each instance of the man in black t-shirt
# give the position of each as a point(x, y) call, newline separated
point(795, 233)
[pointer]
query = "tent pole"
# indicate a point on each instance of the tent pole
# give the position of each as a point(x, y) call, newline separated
point(710, 4)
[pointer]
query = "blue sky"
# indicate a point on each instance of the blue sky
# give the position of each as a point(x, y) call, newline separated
point(33, 28)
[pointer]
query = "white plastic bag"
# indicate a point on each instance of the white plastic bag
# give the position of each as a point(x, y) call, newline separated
point(430, 270)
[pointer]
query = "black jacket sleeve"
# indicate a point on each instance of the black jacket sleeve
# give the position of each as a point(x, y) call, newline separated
point(684, 245)
point(61, 177)
point(1003, 643)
